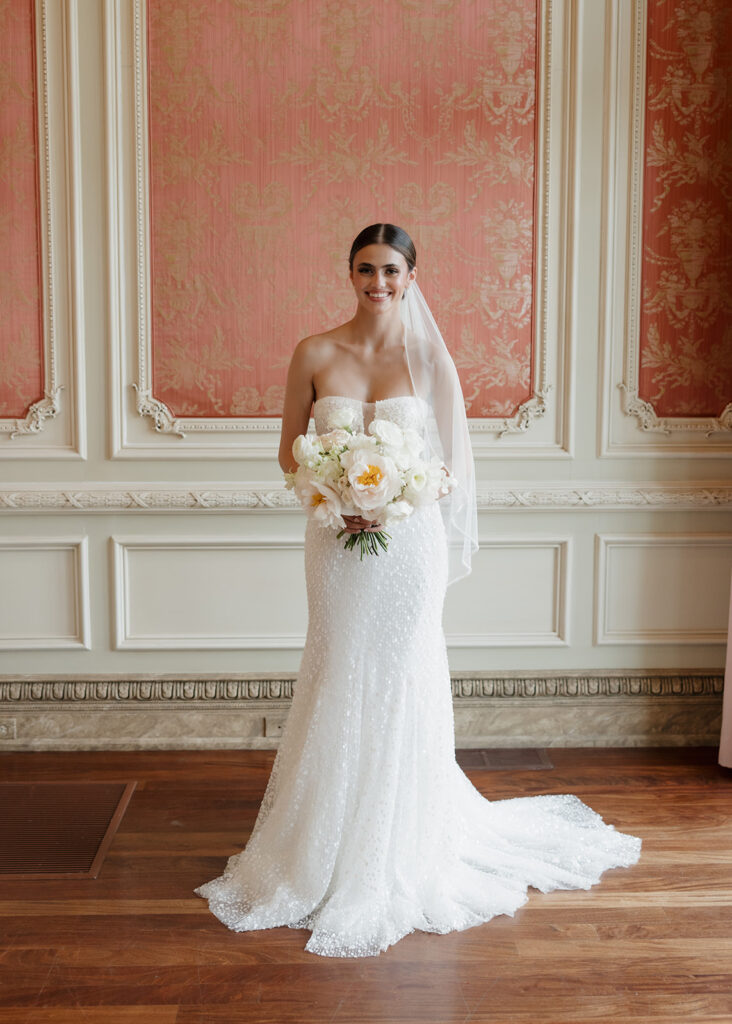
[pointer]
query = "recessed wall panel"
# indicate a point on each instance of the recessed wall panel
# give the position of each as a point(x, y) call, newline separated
point(663, 589)
point(43, 593)
point(515, 594)
point(204, 592)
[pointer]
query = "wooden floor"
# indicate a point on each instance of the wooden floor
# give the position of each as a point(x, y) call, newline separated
point(653, 943)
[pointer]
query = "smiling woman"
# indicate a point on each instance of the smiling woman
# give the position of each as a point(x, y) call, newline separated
point(390, 834)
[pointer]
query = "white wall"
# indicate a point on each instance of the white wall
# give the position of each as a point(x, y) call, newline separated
point(126, 553)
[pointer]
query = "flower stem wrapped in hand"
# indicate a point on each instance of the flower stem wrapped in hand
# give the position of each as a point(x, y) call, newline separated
point(344, 479)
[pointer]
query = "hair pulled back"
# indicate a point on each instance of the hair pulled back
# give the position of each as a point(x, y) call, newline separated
point(385, 234)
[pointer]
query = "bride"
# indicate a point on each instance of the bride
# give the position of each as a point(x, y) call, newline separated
point(368, 828)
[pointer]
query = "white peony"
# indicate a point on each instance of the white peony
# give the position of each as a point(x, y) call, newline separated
point(373, 478)
point(306, 451)
point(321, 502)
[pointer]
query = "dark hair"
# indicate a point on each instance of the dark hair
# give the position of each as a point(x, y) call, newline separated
point(385, 234)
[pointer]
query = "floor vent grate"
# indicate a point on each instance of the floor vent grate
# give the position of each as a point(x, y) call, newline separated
point(58, 829)
point(511, 759)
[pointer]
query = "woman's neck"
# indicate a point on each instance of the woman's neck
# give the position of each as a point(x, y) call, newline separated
point(377, 332)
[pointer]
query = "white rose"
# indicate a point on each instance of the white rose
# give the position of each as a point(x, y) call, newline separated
point(387, 432)
point(374, 478)
point(305, 450)
point(343, 417)
point(397, 510)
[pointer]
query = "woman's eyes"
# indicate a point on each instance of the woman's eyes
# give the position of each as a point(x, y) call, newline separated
point(370, 270)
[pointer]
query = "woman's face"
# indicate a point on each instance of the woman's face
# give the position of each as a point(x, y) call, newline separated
point(379, 276)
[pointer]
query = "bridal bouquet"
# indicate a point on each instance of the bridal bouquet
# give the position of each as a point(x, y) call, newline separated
point(379, 475)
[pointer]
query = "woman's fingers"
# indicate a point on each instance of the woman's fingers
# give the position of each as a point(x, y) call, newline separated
point(354, 524)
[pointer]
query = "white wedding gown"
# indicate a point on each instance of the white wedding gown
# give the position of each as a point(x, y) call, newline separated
point(368, 828)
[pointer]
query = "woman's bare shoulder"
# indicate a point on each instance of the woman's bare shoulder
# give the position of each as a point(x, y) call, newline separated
point(317, 348)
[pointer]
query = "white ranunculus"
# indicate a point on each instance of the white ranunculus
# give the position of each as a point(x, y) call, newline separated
point(342, 417)
point(306, 450)
point(395, 511)
point(373, 478)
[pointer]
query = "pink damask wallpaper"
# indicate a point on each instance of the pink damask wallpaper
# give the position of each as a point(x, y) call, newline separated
point(21, 339)
point(686, 313)
point(278, 130)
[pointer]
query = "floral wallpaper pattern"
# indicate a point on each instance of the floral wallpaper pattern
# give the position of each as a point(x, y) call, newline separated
point(280, 128)
point(21, 339)
point(686, 314)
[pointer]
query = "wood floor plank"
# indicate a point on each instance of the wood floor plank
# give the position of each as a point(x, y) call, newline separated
point(90, 1015)
point(650, 945)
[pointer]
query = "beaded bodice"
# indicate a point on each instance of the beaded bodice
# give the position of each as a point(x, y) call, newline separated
point(404, 410)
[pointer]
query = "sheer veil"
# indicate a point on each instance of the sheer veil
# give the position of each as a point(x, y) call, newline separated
point(435, 379)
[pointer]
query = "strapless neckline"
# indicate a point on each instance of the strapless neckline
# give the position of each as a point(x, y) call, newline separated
point(360, 401)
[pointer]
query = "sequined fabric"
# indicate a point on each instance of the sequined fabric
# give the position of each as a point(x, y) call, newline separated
point(368, 828)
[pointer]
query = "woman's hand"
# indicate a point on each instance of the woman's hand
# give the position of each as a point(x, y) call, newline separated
point(354, 524)
point(444, 493)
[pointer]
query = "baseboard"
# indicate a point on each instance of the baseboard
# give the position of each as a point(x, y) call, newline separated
point(565, 709)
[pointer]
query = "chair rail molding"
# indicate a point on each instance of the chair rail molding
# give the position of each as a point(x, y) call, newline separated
point(681, 496)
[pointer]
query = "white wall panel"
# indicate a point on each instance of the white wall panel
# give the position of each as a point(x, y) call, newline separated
point(182, 597)
point(525, 602)
point(200, 592)
point(663, 588)
point(44, 591)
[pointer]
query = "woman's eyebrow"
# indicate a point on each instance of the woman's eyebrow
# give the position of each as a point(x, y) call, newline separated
point(386, 266)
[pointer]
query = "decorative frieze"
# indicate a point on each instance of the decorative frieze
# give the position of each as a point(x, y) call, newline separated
point(222, 498)
point(266, 691)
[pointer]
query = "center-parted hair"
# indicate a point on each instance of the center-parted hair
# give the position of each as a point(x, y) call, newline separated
point(385, 234)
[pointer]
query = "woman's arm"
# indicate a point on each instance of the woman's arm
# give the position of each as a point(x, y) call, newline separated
point(299, 395)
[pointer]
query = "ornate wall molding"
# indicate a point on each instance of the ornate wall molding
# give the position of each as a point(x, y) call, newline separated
point(270, 690)
point(630, 424)
point(633, 404)
point(143, 425)
point(59, 237)
point(676, 497)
